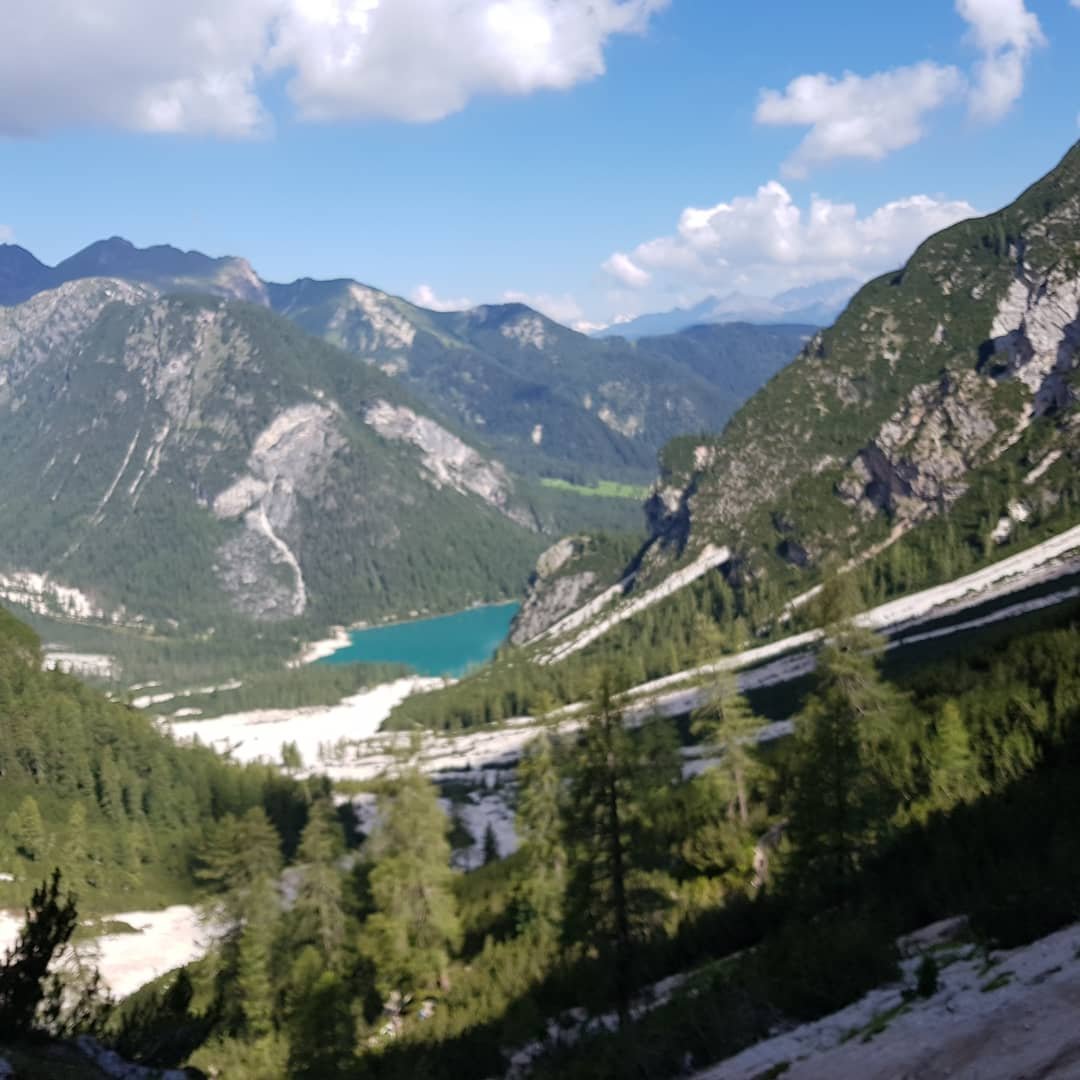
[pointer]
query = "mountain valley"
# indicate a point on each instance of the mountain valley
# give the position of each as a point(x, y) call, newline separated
point(774, 771)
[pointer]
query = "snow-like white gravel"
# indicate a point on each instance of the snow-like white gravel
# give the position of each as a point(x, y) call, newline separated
point(1013, 1017)
point(165, 940)
point(258, 735)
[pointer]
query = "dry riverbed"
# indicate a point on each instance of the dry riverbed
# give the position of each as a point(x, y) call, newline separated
point(162, 941)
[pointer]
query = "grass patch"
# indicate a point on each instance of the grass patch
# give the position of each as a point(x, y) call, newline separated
point(603, 489)
point(95, 928)
point(880, 1021)
point(1003, 979)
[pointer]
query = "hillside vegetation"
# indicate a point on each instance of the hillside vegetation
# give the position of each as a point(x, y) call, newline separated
point(95, 788)
point(931, 428)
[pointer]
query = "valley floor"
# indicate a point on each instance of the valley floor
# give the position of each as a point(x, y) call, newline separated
point(1011, 1015)
point(258, 735)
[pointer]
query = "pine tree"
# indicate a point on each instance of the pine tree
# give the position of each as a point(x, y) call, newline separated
point(414, 926)
point(241, 863)
point(76, 845)
point(239, 855)
point(291, 758)
point(110, 791)
point(954, 772)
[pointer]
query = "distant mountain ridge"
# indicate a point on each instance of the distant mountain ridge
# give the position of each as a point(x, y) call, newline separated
point(817, 304)
point(179, 459)
point(546, 399)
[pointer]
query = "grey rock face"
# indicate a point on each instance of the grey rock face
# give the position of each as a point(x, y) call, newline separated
point(447, 460)
point(545, 606)
point(922, 455)
point(290, 458)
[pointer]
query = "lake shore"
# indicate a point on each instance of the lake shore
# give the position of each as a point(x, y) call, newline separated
point(341, 636)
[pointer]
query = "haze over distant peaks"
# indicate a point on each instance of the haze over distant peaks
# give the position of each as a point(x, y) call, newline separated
point(815, 304)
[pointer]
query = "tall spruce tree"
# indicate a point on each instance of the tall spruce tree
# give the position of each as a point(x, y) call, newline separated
point(241, 863)
point(847, 770)
point(612, 779)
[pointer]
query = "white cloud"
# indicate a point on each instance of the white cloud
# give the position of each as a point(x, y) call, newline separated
point(1005, 32)
point(869, 116)
point(766, 242)
point(622, 267)
point(195, 67)
point(146, 65)
point(7, 234)
point(856, 116)
point(561, 307)
point(426, 297)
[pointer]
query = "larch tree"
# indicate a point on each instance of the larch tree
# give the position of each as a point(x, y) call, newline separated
point(319, 911)
point(27, 829)
point(539, 828)
point(413, 929)
point(241, 863)
point(726, 724)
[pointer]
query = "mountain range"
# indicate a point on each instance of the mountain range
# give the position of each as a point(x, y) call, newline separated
point(184, 442)
point(818, 304)
point(545, 399)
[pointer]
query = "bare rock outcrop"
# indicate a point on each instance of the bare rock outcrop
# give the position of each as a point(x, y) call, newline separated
point(447, 460)
point(289, 460)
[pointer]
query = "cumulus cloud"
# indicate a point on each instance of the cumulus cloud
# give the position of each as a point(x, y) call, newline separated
point(856, 116)
point(7, 234)
point(146, 65)
point(426, 297)
point(562, 307)
point(870, 116)
point(766, 242)
point(1005, 32)
point(196, 67)
point(624, 269)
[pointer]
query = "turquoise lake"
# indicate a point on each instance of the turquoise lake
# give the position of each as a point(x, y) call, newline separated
point(444, 645)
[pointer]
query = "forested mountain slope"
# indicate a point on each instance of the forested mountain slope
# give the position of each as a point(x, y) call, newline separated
point(185, 458)
point(933, 425)
point(548, 399)
point(545, 399)
point(95, 788)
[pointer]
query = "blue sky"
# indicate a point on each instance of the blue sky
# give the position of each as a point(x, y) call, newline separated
point(599, 158)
